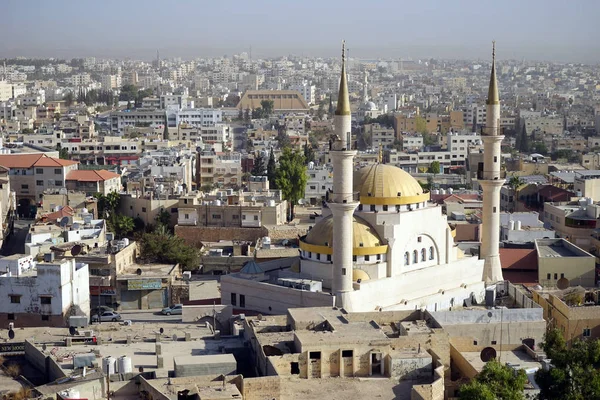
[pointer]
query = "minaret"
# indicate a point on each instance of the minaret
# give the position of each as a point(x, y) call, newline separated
point(492, 182)
point(366, 88)
point(342, 202)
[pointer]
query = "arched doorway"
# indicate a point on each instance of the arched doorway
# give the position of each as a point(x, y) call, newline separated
point(26, 208)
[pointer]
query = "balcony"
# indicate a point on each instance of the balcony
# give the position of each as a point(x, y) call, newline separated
point(100, 280)
point(187, 222)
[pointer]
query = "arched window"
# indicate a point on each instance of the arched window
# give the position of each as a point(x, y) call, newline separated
point(431, 253)
point(423, 254)
point(406, 258)
point(415, 257)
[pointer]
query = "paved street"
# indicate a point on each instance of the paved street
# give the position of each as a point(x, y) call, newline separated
point(16, 243)
point(150, 316)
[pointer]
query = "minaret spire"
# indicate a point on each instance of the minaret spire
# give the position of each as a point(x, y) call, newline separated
point(343, 105)
point(342, 202)
point(491, 182)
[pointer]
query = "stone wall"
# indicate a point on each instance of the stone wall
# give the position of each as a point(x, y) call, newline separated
point(196, 235)
point(267, 387)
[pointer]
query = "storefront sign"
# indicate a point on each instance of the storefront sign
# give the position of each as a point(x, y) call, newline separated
point(144, 284)
point(102, 291)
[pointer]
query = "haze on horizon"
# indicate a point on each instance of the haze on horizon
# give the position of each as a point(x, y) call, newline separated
point(551, 30)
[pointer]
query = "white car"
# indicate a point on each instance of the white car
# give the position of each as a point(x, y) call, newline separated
point(107, 316)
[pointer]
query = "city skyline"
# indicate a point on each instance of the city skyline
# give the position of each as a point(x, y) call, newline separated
point(535, 30)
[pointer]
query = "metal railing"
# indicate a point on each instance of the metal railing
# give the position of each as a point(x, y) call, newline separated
point(332, 197)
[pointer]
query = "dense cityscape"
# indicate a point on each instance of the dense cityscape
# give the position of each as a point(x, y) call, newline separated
point(299, 227)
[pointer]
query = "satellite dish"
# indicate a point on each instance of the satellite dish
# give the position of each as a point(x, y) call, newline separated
point(487, 354)
point(44, 347)
point(75, 250)
point(161, 330)
point(75, 226)
point(139, 272)
point(11, 334)
point(64, 222)
point(562, 283)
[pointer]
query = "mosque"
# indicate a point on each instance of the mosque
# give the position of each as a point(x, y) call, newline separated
point(380, 244)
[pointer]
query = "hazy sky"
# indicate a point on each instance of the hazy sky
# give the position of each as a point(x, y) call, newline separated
point(558, 30)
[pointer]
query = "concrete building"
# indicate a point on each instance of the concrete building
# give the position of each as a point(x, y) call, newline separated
point(574, 221)
point(318, 184)
point(198, 117)
point(93, 181)
point(31, 174)
point(307, 91)
point(562, 264)
point(587, 184)
point(110, 82)
point(523, 227)
point(42, 294)
point(283, 100)
point(574, 311)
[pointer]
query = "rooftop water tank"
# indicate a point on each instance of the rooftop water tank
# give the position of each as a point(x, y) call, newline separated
point(511, 225)
point(518, 225)
point(109, 365)
point(124, 365)
point(217, 202)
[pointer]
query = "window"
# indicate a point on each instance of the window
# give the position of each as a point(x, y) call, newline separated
point(216, 216)
point(173, 211)
point(143, 209)
point(24, 186)
point(11, 317)
point(314, 355)
point(343, 271)
point(46, 300)
point(562, 276)
point(294, 368)
point(385, 207)
point(354, 258)
point(45, 317)
point(347, 353)
point(233, 299)
point(328, 257)
point(39, 183)
point(367, 258)
point(423, 255)
point(431, 253)
point(39, 171)
point(15, 298)
point(256, 217)
point(494, 342)
point(494, 209)
point(58, 183)
point(548, 276)
point(187, 216)
point(318, 256)
point(555, 276)
point(242, 300)
point(372, 207)
point(235, 216)
point(587, 332)
point(419, 239)
point(57, 171)
point(415, 257)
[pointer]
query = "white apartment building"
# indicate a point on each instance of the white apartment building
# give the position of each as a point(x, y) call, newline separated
point(412, 142)
point(307, 90)
point(320, 181)
point(11, 90)
point(140, 117)
point(218, 133)
point(198, 117)
point(79, 79)
point(43, 294)
point(382, 137)
point(459, 143)
point(110, 82)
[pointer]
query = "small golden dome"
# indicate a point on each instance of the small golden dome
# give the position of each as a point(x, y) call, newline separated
point(360, 274)
point(365, 239)
point(383, 184)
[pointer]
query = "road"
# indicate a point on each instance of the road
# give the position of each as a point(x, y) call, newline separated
point(150, 316)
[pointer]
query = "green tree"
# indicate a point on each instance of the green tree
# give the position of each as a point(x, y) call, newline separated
point(63, 154)
point(258, 169)
point(258, 113)
point(496, 381)
point(27, 131)
point(272, 170)
point(420, 124)
point(162, 247)
point(166, 132)
point(69, 99)
point(128, 93)
point(321, 111)
point(574, 373)
point(121, 225)
point(514, 182)
point(163, 218)
point(57, 116)
point(309, 152)
point(268, 107)
point(291, 177)
point(247, 115)
point(428, 139)
point(283, 140)
point(434, 168)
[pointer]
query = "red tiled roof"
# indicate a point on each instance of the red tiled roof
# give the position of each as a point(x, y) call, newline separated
point(555, 193)
point(527, 278)
point(91, 176)
point(32, 160)
point(519, 259)
point(66, 211)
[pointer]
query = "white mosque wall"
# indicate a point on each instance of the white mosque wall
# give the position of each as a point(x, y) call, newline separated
point(421, 287)
point(323, 271)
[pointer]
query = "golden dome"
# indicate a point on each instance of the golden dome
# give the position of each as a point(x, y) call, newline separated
point(360, 274)
point(383, 184)
point(364, 238)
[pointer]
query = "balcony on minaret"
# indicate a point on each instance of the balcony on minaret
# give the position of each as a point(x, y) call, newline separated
point(483, 174)
point(331, 197)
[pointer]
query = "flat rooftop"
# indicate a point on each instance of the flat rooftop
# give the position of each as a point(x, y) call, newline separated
point(148, 271)
point(552, 248)
point(516, 358)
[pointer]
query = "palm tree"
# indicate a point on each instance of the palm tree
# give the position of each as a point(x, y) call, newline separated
point(514, 182)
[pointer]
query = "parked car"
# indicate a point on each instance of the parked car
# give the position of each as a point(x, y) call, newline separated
point(101, 309)
point(107, 316)
point(175, 309)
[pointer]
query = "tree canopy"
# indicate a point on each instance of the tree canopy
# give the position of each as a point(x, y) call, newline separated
point(272, 170)
point(574, 373)
point(258, 169)
point(291, 176)
point(163, 247)
point(496, 381)
point(434, 168)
